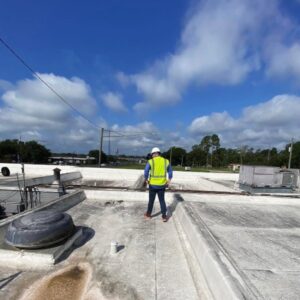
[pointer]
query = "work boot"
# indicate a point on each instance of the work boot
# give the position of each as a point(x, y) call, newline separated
point(147, 216)
point(165, 219)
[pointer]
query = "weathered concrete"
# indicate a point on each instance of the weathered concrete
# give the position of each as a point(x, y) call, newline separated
point(68, 283)
point(123, 177)
point(152, 253)
point(60, 204)
point(43, 257)
point(222, 279)
point(150, 263)
point(252, 246)
point(36, 259)
point(214, 246)
point(41, 180)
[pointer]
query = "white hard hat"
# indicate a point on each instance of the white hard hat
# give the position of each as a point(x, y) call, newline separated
point(155, 149)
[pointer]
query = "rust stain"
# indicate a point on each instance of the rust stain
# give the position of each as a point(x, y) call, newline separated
point(69, 284)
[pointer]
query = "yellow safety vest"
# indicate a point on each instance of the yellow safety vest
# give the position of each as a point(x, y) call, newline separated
point(158, 170)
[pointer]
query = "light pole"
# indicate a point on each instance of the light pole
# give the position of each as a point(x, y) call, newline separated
point(101, 146)
point(291, 152)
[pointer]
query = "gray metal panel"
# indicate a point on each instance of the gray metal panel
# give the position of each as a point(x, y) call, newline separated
point(260, 176)
point(246, 174)
point(10, 200)
point(266, 170)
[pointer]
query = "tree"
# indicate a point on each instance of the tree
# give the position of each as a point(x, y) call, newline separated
point(215, 141)
point(178, 156)
point(220, 158)
point(209, 144)
point(95, 153)
point(233, 156)
point(196, 157)
point(34, 152)
point(205, 143)
point(19, 151)
point(295, 163)
point(9, 150)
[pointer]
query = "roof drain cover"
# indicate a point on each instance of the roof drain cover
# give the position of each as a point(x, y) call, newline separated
point(39, 230)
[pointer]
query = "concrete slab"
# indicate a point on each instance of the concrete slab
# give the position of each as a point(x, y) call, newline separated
point(150, 263)
point(62, 203)
point(151, 256)
point(39, 180)
point(36, 259)
point(123, 177)
point(213, 247)
point(259, 241)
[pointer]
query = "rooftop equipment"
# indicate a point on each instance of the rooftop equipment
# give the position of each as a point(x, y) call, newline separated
point(275, 178)
point(39, 230)
point(5, 171)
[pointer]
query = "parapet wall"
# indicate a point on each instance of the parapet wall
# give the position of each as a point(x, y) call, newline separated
point(113, 174)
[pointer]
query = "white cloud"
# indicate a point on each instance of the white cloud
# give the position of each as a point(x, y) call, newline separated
point(216, 122)
point(142, 137)
point(5, 85)
point(271, 123)
point(122, 79)
point(114, 102)
point(134, 139)
point(282, 110)
point(220, 44)
point(32, 111)
point(284, 61)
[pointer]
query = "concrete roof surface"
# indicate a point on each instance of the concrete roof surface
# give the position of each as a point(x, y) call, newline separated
point(216, 245)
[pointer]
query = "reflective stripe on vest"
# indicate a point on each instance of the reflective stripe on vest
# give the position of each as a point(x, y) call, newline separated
point(158, 170)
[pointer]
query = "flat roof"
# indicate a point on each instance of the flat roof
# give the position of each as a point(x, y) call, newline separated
point(213, 246)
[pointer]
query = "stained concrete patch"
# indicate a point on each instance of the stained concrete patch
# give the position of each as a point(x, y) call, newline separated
point(69, 283)
point(145, 268)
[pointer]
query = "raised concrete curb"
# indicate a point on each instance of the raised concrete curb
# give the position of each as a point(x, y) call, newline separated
point(34, 259)
point(50, 179)
point(221, 276)
point(61, 204)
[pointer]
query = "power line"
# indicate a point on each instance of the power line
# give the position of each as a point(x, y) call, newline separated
point(129, 134)
point(118, 134)
point(45, 82)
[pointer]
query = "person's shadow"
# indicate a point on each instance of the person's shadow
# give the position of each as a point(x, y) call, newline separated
point(177, 198)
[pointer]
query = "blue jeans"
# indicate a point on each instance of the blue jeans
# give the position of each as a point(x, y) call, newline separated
point(161, 197)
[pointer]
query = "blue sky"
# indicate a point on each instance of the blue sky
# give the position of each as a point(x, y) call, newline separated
point(172, 71)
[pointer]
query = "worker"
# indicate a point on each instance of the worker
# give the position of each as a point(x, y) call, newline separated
point(158, 174)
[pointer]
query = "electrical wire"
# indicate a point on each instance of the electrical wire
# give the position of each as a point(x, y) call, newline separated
point(130, 134)
point(45, 82)
point(10, 196)
point(60, 97)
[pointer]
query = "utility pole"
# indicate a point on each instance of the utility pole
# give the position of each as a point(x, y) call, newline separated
point(109, 142)
point(101, 145)
point(211, 158)
point(19, 151)
point(171, 155)
point(291, 152)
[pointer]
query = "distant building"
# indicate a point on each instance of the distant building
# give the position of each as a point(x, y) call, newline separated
point(132, 160)
point(234, 167)
point(69, 160)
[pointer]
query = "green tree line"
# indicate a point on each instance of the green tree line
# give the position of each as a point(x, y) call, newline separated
point(19, 151)
point(209, 153)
